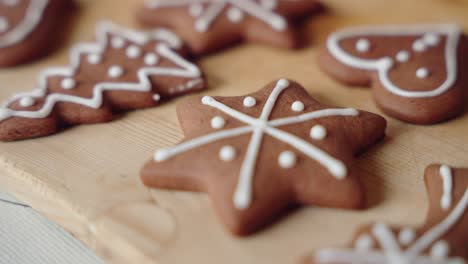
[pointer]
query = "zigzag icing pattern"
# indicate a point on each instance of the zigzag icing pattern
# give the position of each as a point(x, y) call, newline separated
point(32, 18)
point(104, 29)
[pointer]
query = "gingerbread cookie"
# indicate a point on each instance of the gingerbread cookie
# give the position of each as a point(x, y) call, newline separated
point(442, 240)
point(123, 70)
point(416, 72)
point(258, 154)
point(209, 25)
point(27, 27)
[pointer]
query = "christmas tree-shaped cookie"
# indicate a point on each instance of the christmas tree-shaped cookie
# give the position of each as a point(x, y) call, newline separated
point(122, 70)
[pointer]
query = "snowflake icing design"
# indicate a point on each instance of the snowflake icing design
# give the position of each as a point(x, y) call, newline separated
point(259, 127)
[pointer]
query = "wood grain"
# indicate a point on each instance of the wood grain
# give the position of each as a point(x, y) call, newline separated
point(86, 178)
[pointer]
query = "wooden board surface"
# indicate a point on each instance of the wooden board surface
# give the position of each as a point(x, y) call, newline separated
point(86, 178)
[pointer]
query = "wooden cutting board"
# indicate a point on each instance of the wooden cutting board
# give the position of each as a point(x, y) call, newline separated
point(86, 178)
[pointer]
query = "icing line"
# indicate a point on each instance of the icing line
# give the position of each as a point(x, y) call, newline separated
point(31, 20)
point(383, 65)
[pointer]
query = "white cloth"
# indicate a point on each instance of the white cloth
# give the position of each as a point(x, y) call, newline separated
point(26, 237)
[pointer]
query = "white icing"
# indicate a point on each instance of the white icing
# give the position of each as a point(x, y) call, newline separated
point(391, 251)
point(440, 250)
point(235, 15)
point(227, 153)
point(205, 17)
point(94, 59)
point(402, 56)
point(4, 24)
point(156, 97)
point(27, 25)
point(446, 199)
point(419, 46)
point(196, 9)
point(318, 132)
point(117, 42)
point(363, 45)
point(27, 101)
point(151, 59)
point(297, 106)
point(431, 39)
point(422, 73)
point(218, 122)
point(115, 71)
point(184, 69)
point(364, 243)
point(133, 52)
point(249, 101)
point(259, 127)
point(287, 159)
point(68, 83)
point(383, 65)
point(406, 236)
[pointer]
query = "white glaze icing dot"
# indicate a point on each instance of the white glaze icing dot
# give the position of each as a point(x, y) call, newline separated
point(440, 250)
point(133, 52)
point(235, 14)
point(218, 122)
point(94, 58)
point(431, 39)
point(227, 153)
point(419, 46)
point(117, 42)
point(297, 106)
point(201, 25)
point(406, 236)
point(363, 45)
point(151, 59)
point(287, 159)
point(364, 243)
point(402, 56)
point(4, 25)
point(196, 9)
point(279, 23)
point(115, 71)
point(68, 83)
point(27, 101)
point(318, 132)
point(422, 73)
point(283, 83)
point(157, 97)
point(249, 101)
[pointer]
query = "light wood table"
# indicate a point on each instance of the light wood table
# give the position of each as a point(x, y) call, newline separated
point(86, 178)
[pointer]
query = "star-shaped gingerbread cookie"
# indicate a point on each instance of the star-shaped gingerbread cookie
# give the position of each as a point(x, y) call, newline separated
point(258, 154)
point(209, 25)
point(417, 72)
point(27, 28)
point(443, 239)
point(123, 70)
